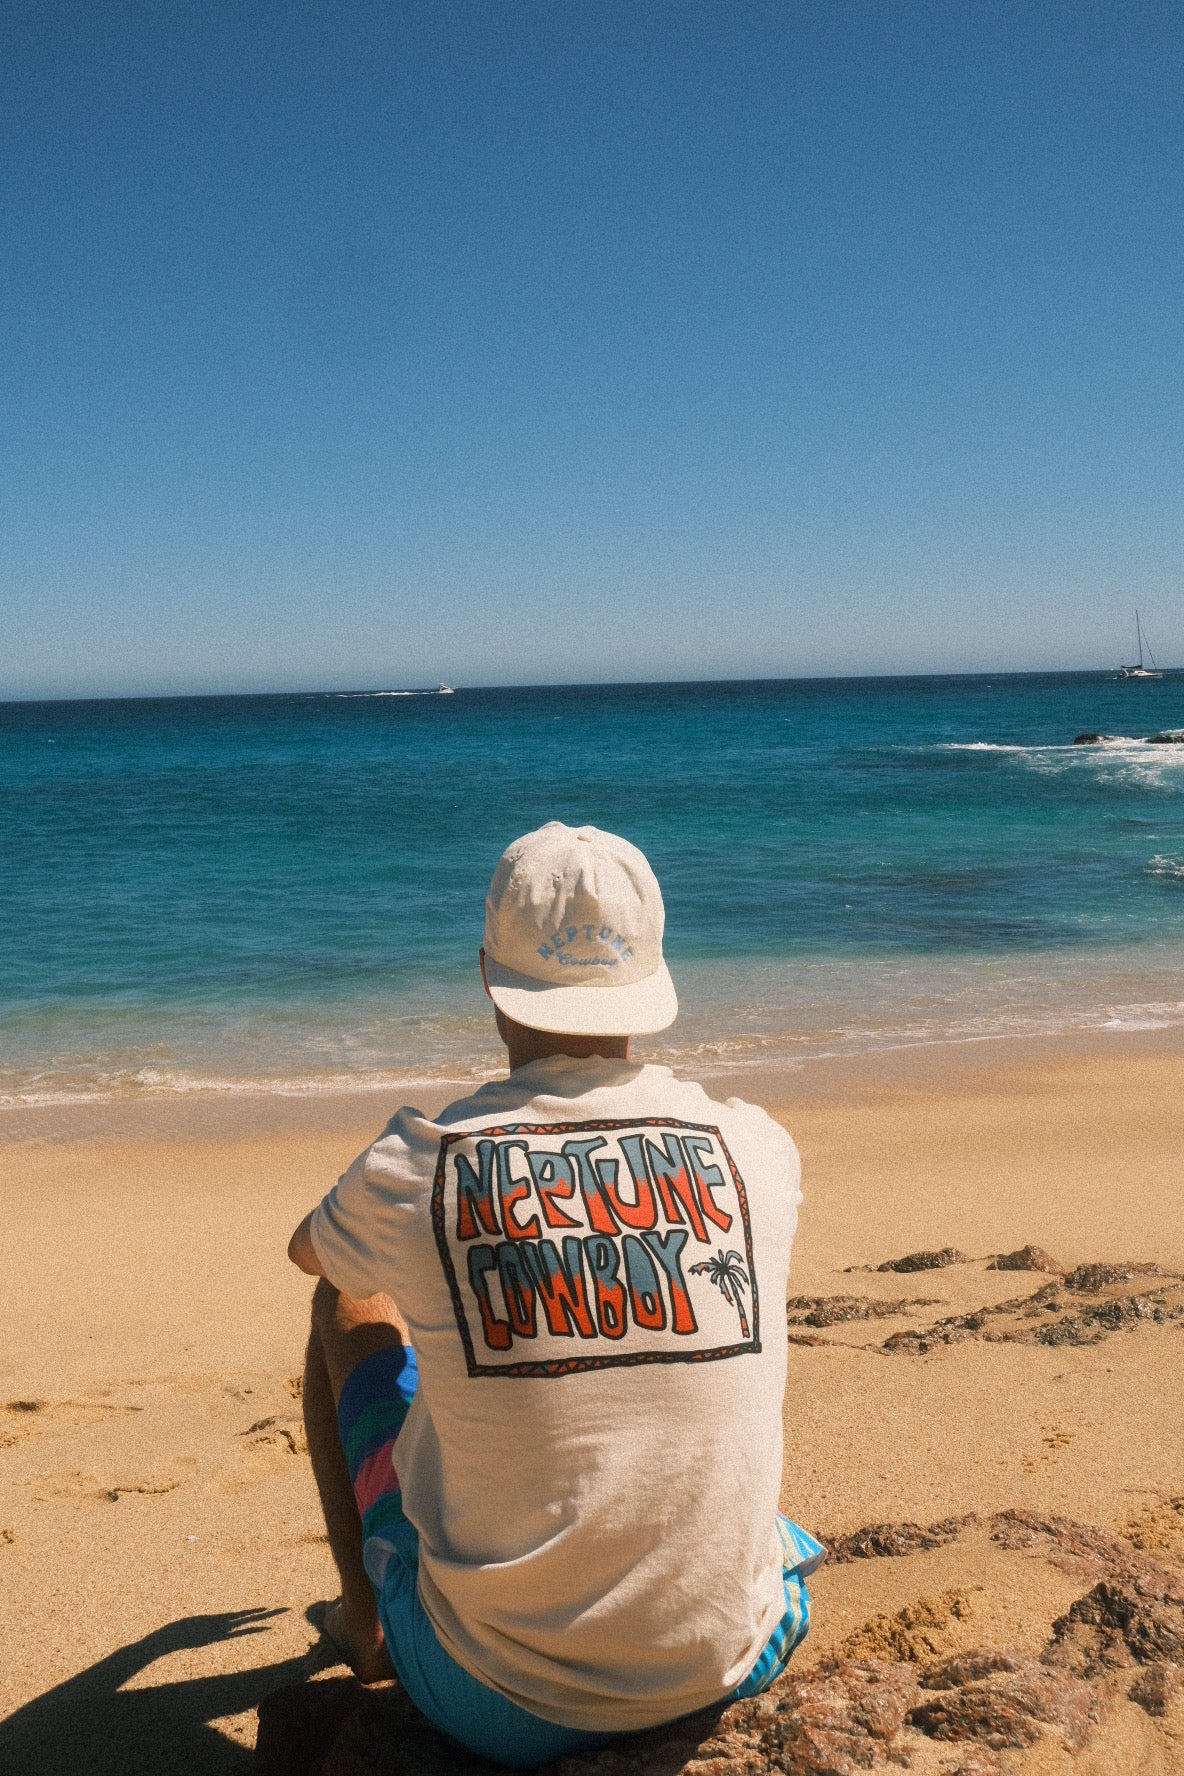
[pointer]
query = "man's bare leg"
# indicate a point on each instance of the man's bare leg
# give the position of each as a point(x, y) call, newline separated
point(344, 1332)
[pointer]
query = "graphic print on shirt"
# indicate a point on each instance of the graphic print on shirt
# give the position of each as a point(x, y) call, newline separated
point(585, 1245)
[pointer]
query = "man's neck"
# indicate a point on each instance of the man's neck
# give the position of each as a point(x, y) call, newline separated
point(524, 1045)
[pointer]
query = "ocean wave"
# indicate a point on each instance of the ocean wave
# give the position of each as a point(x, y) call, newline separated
point(1104, 743)
point(722, 1053)
point(1169, 867)
point(1114, 759)
point(793, 1051)
point(42, 1092)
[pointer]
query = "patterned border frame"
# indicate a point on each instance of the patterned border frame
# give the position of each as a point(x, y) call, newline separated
point(574, 1365)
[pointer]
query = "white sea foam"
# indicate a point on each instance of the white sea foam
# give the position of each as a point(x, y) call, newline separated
point(768, 1014)
point(1115, 758)
point(782, 1043)
point(147, 1083)
point(1170, 867)
point(1084, 750)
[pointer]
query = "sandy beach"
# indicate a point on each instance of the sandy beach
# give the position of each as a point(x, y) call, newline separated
point(160, 1542)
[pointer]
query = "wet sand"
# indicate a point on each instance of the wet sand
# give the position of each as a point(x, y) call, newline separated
point(155, 1493)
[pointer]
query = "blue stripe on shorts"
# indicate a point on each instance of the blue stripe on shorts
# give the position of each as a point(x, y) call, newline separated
point(373, 1406)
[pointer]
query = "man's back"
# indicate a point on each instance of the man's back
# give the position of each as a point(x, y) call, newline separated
point(591, 1257)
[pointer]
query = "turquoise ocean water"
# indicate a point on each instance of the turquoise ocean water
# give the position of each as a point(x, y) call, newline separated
point(287, 891)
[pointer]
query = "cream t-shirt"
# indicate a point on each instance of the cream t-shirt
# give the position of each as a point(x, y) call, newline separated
point(592, 1259)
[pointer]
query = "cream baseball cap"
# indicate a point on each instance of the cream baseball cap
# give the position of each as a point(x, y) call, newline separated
point(573, 935)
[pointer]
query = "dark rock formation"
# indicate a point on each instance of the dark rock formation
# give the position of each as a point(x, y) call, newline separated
point(1125, 1636)
point(1157, 1687)
point(1085, 1552)
point(1171, 737)
point(839, 1718)
point(1112, 1625)
point(891, 1540)
point(839, 1310)
point(948, 1331)
point(1090, 739)
point(1091, 1279)
point(1008, 1708)
point(925, 1260)
point(1027, 1258)
point(1048, 1317)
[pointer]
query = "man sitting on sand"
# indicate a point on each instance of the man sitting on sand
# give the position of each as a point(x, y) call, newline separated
point(544, 1384)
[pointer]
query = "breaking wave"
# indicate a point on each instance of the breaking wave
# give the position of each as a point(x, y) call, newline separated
point(1153, 763)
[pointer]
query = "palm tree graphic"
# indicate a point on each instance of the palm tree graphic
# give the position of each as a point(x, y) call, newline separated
point(727, 1272)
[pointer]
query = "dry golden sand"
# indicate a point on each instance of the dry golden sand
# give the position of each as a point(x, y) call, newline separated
point(152, 1475)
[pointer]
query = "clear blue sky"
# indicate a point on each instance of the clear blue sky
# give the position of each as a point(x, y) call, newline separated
point(351, 343)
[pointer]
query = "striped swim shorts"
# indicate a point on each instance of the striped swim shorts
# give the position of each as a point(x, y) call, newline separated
point(373, 1406)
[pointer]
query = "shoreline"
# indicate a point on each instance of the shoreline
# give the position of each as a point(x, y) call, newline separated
point(739, 1018)
point(217, 1114)
point(152, 1465)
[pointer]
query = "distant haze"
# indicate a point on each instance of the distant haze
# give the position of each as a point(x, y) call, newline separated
point(377, 345)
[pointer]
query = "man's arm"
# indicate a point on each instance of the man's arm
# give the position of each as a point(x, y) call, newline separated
point(302, 1251)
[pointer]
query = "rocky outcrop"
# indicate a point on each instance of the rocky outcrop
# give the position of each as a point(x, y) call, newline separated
point(925, 1260)
point(892, 1540)
point(1089, 1304)
point(839, 1310)
point(1006, 1706)
point(1123, 1638)
point(1026, 1258)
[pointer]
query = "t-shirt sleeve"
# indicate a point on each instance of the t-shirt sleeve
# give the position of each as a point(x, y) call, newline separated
point(793, 1163)
point(342, 1231)
point(777, 1142)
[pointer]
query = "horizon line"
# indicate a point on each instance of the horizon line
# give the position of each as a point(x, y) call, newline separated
point(569, 685)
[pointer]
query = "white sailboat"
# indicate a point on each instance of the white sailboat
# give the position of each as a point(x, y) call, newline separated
point(1140, 671)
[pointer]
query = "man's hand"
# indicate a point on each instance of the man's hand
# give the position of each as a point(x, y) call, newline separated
point(302, 1251)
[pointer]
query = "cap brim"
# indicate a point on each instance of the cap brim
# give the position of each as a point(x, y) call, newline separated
point(637, 1009)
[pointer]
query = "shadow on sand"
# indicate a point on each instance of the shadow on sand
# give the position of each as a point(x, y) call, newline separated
point(92, 1723)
